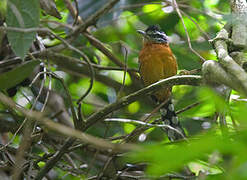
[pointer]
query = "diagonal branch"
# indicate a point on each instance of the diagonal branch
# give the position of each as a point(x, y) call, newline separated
point(175, 80)
point(175, 5)
point(230, 66)
point(93, 19)
point(100, 46)
point(228, 69)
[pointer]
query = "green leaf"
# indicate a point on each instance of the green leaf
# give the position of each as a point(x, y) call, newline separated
point(163, 159)
point(17, 75)
point(3, 5)
point(22, 14)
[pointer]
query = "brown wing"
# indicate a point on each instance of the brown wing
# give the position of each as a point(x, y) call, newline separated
point(156, 63)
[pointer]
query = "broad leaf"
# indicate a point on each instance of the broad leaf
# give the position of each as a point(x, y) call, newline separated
point(22, 14)
point(164, 159)
point(17, 75)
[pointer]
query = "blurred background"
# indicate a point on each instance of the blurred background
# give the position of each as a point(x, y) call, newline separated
point(206, 113)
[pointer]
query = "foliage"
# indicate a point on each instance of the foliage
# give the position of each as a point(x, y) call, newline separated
point(212, 115)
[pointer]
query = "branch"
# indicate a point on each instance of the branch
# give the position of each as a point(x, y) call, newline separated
point(230, 66)
point(175, 80)
point(22, 149)
point(145, 124)
point(175, 5)
point(96, 142)
point(74, 66)
point(228, 70)
point(100, 46)
point(93, 19)
point(239, 28)
point(69, 46)
point(65, 59)
point(52, 162)
point(214, 73)
point(239, 57)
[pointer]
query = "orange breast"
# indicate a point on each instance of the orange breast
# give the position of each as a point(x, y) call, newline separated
point(157, 62)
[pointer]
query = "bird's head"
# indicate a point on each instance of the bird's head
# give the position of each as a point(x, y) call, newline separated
point(154, 34)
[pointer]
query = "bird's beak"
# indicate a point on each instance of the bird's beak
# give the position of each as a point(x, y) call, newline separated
point(142, 32)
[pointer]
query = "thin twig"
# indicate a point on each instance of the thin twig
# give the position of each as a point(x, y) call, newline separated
point(144, 124)
point(206, 36)
point(68, 45)
point(22, 149)
point(56, 114)
point(125, 72)
point(99, 143)
point(75, 120)
point(188, 107)
point(74, 60)
point(101, 173)
point(67, 93)
point(97, 152)
point(175, 5)
point(93, 19)
point(76, 13)
point(91, 79)
point(33, 106)
point(100, 46)
point(47, 94)
point(218, 16)
point(58, 24)
point(140, 129)
point(57, 156)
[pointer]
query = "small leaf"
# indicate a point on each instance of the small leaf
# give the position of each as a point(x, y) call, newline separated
point(17, 75)
point(22, 14)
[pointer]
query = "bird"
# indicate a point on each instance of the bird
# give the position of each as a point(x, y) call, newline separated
point(156, 62)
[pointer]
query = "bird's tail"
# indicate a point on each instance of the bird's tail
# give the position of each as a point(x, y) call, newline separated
point(174, 129)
